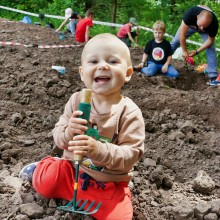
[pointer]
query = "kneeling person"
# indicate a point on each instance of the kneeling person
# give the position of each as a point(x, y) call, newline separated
point(158, 54)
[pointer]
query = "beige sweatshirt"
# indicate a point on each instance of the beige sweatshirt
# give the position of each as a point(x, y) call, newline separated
point(124, 126)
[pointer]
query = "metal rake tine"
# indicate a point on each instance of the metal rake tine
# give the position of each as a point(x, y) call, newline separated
point(90, 206)
point(83, 205)
point(96, 208)
point(77, 203)
point(69, 206)
point(86, 212)
point(70, 203)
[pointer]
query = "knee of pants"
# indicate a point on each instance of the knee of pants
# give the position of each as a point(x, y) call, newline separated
point(172, 75)
point(147, 71)
point(119, 207)
point(50, 174)
point(172, 72)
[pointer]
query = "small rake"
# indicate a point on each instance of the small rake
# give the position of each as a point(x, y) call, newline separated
point(73, 205)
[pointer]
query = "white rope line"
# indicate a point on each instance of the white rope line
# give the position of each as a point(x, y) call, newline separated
point(95, 22)
point(8, 43)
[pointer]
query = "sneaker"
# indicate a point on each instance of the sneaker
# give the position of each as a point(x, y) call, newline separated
point(214, 83)
point(27, 171)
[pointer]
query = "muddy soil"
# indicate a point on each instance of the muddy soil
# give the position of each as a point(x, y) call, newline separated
point(179, 174)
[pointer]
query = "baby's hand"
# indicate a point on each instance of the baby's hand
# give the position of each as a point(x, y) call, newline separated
point(83, 145)
point(76, 125)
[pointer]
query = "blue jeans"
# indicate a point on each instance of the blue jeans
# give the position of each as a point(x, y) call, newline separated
point(152, 68)
point(72, 26)
point(210, 52)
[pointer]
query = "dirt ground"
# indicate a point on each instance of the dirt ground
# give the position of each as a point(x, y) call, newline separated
point(179, 174)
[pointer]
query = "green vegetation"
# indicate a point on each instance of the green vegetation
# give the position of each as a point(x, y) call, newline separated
point(116, 11)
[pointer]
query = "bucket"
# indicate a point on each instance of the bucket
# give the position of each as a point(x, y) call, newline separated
point(60, 69)
point(62, 36)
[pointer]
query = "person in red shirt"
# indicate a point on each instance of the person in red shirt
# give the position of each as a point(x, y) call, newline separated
point(83, 27)
point(128, 36)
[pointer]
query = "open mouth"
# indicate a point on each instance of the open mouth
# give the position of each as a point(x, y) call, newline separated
point(102, 79)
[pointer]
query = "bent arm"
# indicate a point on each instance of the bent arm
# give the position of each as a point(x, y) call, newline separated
point(206, 44)
point(87, 34)
point(79, 17)
point(131, 38)
point(144, 59)
point(129, 147)
point(182, 37)
point(63, 23)
point(169, 58)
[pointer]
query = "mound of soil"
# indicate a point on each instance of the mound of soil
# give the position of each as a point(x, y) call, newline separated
point(178, 176)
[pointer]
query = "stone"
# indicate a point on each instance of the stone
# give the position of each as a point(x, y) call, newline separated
point(203, 183)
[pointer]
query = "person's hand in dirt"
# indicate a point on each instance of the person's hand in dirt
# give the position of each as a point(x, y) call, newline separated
point(83, 145)
point(76, 125)
point(185, 55)
point(138, 67)
point(141, 65)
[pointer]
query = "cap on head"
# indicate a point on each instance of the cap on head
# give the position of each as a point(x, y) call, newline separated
point(133, 21)
point(68, 12)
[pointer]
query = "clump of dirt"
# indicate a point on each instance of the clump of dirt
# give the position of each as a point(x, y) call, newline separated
point(178, 176)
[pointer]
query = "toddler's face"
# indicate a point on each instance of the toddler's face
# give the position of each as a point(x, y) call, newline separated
point(105, 66)
point(158, 34)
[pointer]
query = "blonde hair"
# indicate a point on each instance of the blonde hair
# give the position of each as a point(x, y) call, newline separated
point(107, 37)
point(159, 25)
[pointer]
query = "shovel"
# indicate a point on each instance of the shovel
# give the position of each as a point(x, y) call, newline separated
point(73, 205)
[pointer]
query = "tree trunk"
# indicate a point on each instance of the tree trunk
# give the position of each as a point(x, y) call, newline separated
point(172, 6)
point(114, 10)
point(88, 4)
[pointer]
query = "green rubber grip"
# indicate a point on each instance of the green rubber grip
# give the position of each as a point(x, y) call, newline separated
point(86, 109)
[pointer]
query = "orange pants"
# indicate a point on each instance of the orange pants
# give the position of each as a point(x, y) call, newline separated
point(54, 178)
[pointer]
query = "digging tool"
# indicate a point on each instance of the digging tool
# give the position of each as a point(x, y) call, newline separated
point(186, 66)
point(73, 205)
point(189, 60)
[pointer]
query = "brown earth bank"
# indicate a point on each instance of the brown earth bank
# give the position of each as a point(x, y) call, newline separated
point(178, 176)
